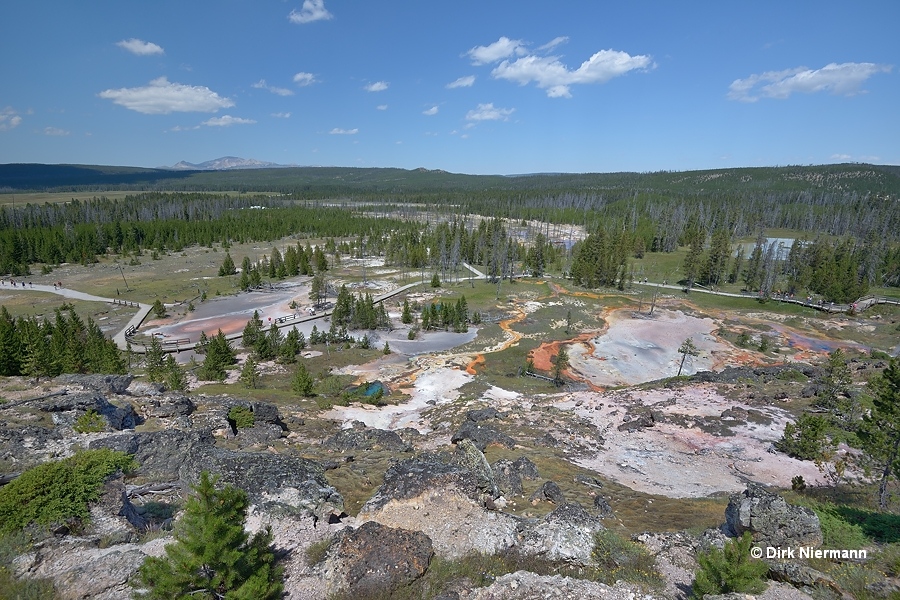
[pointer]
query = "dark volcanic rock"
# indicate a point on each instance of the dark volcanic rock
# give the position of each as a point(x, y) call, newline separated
point(277, 482)
point(525, 468)
point(482, 435)
point(602, 507)
point(169, 405)
point(413, 477)
point(483, 414)
point(550, 492)
point(68, 407)
point(160, 454)
point(771, 520)
point(364, 438)
point(470, 458)
point(106, 384)
point(507, 477)
point(375, 559)
point(509, 474)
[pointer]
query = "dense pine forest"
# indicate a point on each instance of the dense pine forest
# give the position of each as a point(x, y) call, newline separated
point(849, 216)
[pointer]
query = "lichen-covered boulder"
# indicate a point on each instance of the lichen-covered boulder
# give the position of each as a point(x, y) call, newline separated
point(374, 559)
point(566, 534)
point(771, 520)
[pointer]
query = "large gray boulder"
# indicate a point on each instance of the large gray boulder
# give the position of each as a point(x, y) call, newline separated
point(160, 455)
point(566, 534)
point(277, 483)
point(361, 438)
point(374, 559)
point(771, 520)
point(65, 410)
point(446, 502)
point(106, 384)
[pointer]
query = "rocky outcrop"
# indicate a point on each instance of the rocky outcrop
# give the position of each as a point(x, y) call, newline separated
point(82, 571)
point(470, 458)
point(482, 435)
point(167, 406)
point(105, 384)
point(278, 483)
point(160, 455)
point(523, 585)
point(566, 534)
point(285, 483)
point(113, 516)
point(361, 438)
point(374, 559)
point(509, 474)
point(771, 520)
point(549, 492)
point(67, 408)
point(446, 502)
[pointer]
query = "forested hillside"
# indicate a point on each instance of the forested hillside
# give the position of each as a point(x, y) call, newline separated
point(848, 214)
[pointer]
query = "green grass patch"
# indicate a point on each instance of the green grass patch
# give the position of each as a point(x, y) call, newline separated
point(634, 511)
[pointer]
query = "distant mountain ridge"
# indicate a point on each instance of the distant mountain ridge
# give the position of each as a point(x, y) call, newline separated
point(226, 163)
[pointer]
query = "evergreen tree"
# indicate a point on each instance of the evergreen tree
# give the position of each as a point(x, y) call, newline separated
point(175, 378)
point(154, 361)
point(289, 349)
point(880, 430)
point(688, 348)
point(159, 309)
point(730, 570)
point(10, 347)
point(252, 331)
point(302, 383)
point(227, 267)
point(219, 355)
point(559, 365)
point(406, 316)
point(250, 373)
point(213, 557)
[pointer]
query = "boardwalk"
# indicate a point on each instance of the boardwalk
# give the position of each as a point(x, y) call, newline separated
point(123, 337)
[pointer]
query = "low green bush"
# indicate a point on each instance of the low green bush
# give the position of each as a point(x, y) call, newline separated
point(617, 558)
point(90, 422)
point(59, 491)
point(242, 417)
point(731, 569)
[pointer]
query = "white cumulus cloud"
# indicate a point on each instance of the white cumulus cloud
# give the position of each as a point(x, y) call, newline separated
point(843, 79)
point(488, 112)
point(140, 47)
point(161, 97)
point(313, 10)
point(378, 86)
point(552, 75)
point(382, 107)
point(339, 131)
point(262, 85)
point(9, 118)
point(518, 64)
point(227, 121)
point(502, 48)
point(467, 81)
point(55, 131)
point(282, 115)
point(304, 79)
point(431, 111)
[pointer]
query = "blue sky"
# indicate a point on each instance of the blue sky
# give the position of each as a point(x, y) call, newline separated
point(488, 86)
